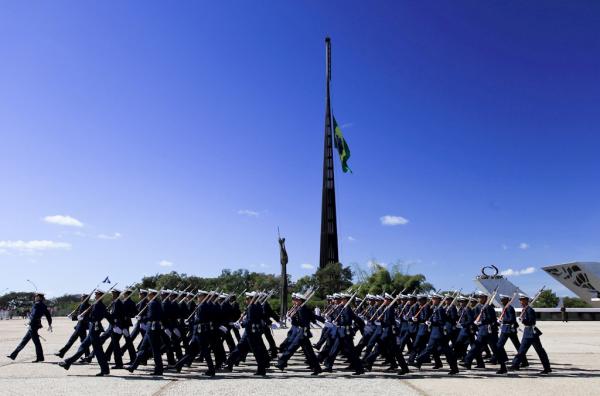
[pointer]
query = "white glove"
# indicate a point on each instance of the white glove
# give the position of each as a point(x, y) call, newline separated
point(223, 329)
point(168, 333)
point(138, 318)
point(79, 317)
point(428, 323)
point(50, 328)
point(177, 333)
point(520, 319)
point(237, 325)
point(476, 323)
point(126, 333)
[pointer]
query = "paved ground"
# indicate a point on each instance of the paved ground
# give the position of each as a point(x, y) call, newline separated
point(574, 349)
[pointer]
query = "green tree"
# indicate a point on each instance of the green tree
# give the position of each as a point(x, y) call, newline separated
point(575, 302)
point(381, 278)
point(332, 278)
point(547, 299)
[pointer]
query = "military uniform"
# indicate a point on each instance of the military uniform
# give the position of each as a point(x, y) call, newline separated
point(80, 328)
point(508, 329)
point(38, 311)
point(344, 337)
point(531, 337)
point(152, 342)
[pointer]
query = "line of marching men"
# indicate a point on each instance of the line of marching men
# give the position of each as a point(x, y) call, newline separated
point(188, 326)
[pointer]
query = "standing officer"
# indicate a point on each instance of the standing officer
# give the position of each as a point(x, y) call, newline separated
point(98, 312)
point(80, 328)
point(38, 310)
point(531, 336)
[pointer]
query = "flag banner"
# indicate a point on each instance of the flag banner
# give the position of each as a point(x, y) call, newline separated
point(341, 146)
point(106, 280)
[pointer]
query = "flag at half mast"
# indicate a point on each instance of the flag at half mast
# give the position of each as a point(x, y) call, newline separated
point(341, 146)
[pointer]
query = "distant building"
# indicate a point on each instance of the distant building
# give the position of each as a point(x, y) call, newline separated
point(582, 278)
point(488, 282)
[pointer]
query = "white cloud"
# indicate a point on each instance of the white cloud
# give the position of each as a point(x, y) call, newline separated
point(114, 236)
point(32, 246)
point(63, 220)
point(307, 266)
point(351, 239)
point(165, 263)
point(512, 272)
point(389, 220)
point(248, 212)
point(523, 246)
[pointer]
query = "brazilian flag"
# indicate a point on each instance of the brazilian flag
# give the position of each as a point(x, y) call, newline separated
point(341, 146)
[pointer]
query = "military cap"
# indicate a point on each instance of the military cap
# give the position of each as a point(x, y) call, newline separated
point(202, 292)
point(523, 296)
point(504, 297)
point(143, 291)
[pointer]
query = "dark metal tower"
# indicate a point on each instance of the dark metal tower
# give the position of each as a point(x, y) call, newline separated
point(329, 237)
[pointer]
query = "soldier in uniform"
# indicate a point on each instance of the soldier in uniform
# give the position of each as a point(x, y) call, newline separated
point(38, 310)
point(152, 342)
point(508, 327)
point(270, 314)
point(438, 340)
point(301, 320)
point(487, 334)
point(98, 312)
point(344, 341)
point(531, 337)
point(422, 334)
point(253, 324)
point(80, 327)
point(130, 312)
point(201, 322)
point(117, 322)
point(386, 341)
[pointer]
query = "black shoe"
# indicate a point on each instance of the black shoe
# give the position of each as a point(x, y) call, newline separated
point(465, 365)
point(280, 366)
point(316, 371)
point(117, 367)
point(157, 373)
point(359, 372)
point(11, 357)
point(130, 369)
point(87, 359)
point(178, 368)
point(524, 365)
point(437, 366)
point(403, 371)
point(261, 373)
point(37, 360)
point(545, 371)
point(328, 370)
point(502, 370)
point(60, 354)
point(209, 373)
point(101, 374)
point(453, 372)
point(64, 365)
point(480, 366)
point(513, 368)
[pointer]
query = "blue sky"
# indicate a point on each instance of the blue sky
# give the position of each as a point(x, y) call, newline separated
point(186, 133)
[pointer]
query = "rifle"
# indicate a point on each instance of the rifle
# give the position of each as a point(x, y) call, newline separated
point(388, 306)
point(98, 299)
point(490, 299)
point(148, 303)
point(348, 303)
point(506, 307)
point(456, 293)
point(84, 301)
point(537, 295)
point(310, 295)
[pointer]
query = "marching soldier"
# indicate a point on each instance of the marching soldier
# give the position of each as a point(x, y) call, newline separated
point(98, 312)
point(531, 337)
point(201, 338)
point(301, 320)
point(344, 341)
point(38, 310)
point(508, 327)
point(487, 334)
point(152, 342)
point(421, 336)
point(270, 314)
point(80, 327)
point(438, 340)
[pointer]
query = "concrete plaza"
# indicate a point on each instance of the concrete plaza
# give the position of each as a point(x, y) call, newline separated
point(574, 350)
